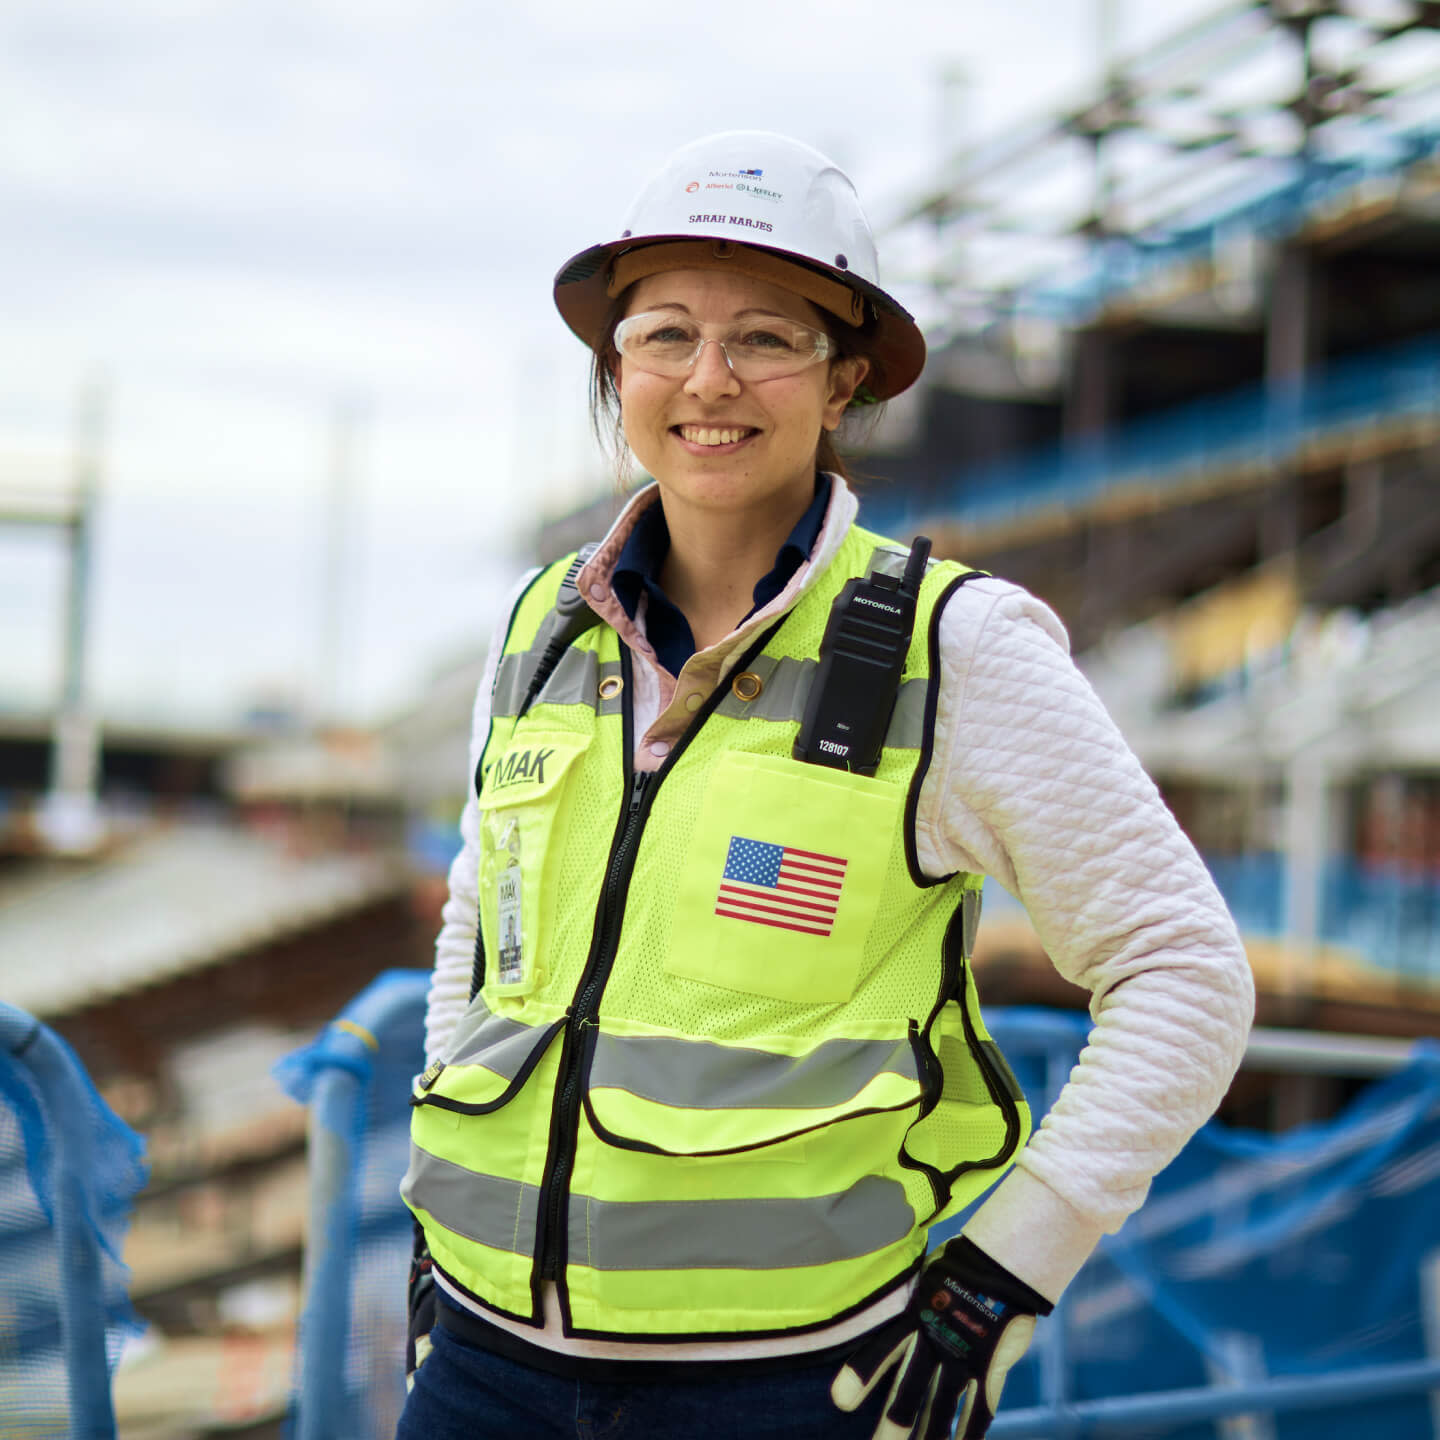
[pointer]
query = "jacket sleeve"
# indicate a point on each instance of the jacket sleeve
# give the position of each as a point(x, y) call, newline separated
point(1031, 783)
point(449, 993)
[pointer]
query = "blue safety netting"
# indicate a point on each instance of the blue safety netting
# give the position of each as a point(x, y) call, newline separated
point(70, 1169)
point(356, 1078)
point(1257, 1256)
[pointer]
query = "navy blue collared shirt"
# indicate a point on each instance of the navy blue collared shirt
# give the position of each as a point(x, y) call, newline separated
point(637, 572)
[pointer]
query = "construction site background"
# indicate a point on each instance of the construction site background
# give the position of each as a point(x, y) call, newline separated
point(1192, 402)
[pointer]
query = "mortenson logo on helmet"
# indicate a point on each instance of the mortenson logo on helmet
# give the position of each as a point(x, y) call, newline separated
point(741, 220)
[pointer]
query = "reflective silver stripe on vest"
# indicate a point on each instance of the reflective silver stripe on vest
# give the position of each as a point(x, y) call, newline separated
point(516, 671)
point(786, 687)
point(1002, 1069)
point(574, 681)
point(970, 903)
point(739, 1234)
point(512, 678)
point(499, 1044)
point(890, 561)
point(666, 1234)
point(499, 1213)
point(907, 721)
point(697, 1075)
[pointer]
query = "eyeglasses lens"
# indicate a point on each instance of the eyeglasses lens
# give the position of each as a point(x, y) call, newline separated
point(761, 349)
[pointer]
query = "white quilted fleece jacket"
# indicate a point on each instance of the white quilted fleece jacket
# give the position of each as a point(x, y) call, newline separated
point(1031, 783)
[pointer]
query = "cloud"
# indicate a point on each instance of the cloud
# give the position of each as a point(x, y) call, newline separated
point(245, 213)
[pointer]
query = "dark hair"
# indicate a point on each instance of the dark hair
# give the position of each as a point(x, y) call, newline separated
point(605, 419)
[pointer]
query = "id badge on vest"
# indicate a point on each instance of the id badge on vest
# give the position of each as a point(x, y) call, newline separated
point(520, 809)
point(510, 912)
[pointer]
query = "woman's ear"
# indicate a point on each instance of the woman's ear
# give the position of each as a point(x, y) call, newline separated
point(845, 377)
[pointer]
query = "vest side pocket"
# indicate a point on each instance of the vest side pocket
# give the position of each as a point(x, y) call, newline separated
point(491, 1064)
point(782, 879)
point(690, 1098)
point(980, 1118)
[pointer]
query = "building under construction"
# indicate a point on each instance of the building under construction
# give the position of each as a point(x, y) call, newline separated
point(1185, 385)
point(1194, 323)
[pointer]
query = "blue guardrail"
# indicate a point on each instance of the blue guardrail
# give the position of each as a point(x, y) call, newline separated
point(69, 1173)
point(1293, 1276)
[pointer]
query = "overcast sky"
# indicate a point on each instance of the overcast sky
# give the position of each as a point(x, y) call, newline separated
point(247, 218)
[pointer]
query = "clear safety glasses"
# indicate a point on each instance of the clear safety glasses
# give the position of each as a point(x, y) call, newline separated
point(763, 348)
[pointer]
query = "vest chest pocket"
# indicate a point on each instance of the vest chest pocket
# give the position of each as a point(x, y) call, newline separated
point(783, 879)
point(521, 807)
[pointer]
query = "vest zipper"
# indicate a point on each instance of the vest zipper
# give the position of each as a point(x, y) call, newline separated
point(565, 1116)
point(556, 1184)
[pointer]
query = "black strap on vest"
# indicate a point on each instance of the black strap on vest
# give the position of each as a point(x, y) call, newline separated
point(573, 617)
point(862, 659)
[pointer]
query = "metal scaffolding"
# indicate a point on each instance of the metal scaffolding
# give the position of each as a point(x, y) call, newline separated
point(69, 818)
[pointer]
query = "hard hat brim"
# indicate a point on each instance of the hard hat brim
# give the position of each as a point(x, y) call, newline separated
point(890, 337)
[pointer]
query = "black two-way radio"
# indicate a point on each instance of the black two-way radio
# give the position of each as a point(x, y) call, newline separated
point(862, 658)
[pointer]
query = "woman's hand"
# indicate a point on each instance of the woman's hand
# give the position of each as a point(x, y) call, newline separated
point(968, 1322)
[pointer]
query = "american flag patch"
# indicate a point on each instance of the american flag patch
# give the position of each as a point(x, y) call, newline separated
point(781, 886)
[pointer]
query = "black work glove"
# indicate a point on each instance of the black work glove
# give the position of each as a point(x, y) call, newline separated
point(421, 1295)
point(951, 1348)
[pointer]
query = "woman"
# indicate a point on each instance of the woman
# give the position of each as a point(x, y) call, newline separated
point(714, 1061)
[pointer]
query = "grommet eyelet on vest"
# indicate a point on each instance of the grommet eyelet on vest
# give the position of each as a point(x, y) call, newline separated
point(747, 685)
point(611, 686)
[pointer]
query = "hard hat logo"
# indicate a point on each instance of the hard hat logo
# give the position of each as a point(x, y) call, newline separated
point(742, 177)
point(797, 212)
point(758, 192)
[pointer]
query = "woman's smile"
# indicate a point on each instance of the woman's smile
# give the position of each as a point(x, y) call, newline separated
point(713, 439)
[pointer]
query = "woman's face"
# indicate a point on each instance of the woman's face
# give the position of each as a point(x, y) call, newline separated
point(767, 430)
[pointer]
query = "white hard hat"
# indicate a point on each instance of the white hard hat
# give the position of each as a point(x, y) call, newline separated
point(763, 205)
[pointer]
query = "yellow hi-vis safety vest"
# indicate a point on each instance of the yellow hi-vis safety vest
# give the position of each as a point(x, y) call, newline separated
point(727, 1062)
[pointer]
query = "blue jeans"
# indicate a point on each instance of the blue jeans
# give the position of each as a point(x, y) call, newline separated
point(465, 1393)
